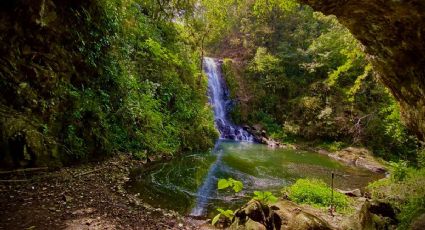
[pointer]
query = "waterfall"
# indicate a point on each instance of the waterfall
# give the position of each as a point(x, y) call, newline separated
point(219, 99)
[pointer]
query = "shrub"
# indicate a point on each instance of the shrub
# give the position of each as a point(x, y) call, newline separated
point(398, 170)
point(317, 193)
point(407, 195)
point(333, 146)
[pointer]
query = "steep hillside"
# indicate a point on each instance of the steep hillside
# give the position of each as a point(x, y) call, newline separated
point(84, 79)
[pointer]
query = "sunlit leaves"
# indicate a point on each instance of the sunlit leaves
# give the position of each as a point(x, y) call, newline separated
point(228, 214)
point(265, 197)
point(236, 185)
point(264, 7)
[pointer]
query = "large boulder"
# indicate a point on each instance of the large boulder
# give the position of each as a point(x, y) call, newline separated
point(282, 215)
point(256, 215)
point(307, 221)
point(359, 157)
point(374, 215)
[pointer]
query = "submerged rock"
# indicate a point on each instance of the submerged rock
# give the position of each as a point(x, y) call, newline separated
point(352, 193)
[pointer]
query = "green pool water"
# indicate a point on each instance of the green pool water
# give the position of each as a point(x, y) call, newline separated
point(182, 183)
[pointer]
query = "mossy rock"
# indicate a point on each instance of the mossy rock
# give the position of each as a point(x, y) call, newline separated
point(23, 145)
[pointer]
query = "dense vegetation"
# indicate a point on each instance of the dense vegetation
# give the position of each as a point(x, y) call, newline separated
point(405, 190)
point(82, 80)
point(302, 76)
point(89, 78)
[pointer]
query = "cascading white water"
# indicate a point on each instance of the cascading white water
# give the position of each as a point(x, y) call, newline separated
point(218, 95)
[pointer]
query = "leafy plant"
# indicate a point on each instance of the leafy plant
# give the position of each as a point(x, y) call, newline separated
point(317, 193)
point(265, 197)
point(236, 185)
point(227, 214)
point(398, 170)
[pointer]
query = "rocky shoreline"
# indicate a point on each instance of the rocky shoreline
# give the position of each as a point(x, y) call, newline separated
point(90, 196)
point(353, 156)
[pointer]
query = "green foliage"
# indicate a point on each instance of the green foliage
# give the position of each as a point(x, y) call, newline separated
point(227, 214)
point(118, 77)
point(317, 81)
point(407, 195)
point(236, 185)
point(398, 171)
point(421, 158)
point(409, 212)
point(317, 193)
point(265, 197)
point(333, 146)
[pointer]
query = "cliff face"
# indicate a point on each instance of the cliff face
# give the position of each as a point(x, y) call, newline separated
point(37, 63)
point(393, 34)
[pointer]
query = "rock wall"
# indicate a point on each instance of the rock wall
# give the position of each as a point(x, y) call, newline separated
point(393, 34)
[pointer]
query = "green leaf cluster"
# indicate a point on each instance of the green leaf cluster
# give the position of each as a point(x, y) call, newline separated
point(398, 170)
point(110, 76)
point(293, 67)
point(227, 214)
point(265, 197)
point(236, 185)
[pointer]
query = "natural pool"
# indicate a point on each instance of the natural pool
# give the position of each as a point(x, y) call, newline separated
point(188, 184)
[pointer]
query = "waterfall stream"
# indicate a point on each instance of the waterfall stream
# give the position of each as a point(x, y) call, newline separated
point(188, 184)
point(219, 99)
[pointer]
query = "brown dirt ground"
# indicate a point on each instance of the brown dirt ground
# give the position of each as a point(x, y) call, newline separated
point(83, 197)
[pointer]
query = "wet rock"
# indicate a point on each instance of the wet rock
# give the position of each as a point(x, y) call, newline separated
point(255, 215)
point(282, 215)
point(257, 127)
point(359, 157)
point(351, 193)
point(374, 215)
point(370, 164)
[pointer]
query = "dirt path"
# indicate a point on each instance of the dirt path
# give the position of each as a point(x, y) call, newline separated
point(84, 197)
